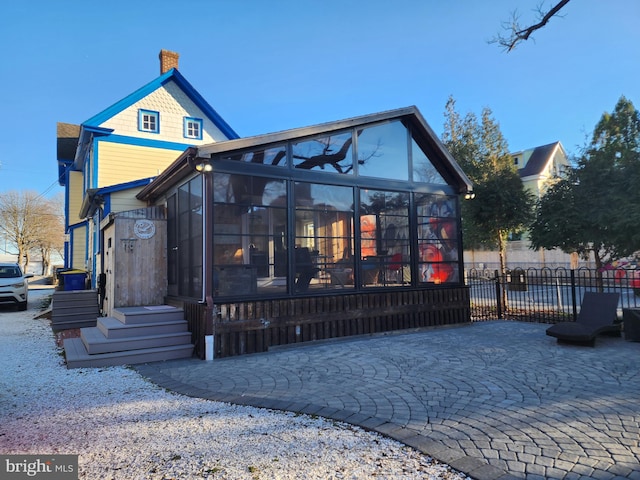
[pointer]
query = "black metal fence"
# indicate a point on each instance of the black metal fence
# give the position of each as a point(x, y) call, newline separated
point(545, 295)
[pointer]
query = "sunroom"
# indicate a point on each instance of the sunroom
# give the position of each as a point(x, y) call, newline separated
point(364, 212)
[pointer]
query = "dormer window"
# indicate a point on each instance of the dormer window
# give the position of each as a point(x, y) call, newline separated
point(149, 121)
point(193, 128)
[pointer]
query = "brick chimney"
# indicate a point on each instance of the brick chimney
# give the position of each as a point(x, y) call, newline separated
point(168, 60)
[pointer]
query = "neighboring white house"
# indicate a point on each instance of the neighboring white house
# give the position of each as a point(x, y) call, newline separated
point(538, 167)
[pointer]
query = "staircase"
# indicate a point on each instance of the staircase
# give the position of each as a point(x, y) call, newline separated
point(74, 309)
point(133, 335)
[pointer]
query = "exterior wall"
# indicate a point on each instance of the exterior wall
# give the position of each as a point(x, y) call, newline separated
point(135, 264)
point(76, 193)
point(79, 248)
point(520, 255)
point(173, 105)
point(126, 200)
point(121, 163)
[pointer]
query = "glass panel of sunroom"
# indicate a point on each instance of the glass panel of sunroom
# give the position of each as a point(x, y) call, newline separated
point(332, 153)
point(249, 235)
point(323, 237)
point(275, 156)
point(383, 151)
point(384, 231)
point(437, 239)
point(423, 169)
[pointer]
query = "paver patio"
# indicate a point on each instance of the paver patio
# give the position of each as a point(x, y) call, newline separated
point(496, 400)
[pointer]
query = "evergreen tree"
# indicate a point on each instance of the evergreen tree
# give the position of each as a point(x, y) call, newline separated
point(501, 204)
point(596, 208)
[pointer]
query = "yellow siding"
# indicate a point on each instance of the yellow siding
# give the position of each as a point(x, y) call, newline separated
point(125, 163)
point(79, 245)
point(76, 192)
point(126, 200)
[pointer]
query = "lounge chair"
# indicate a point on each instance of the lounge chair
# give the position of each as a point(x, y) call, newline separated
point(597, 315)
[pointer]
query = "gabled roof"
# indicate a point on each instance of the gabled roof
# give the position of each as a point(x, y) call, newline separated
point(171, 75)
point(421, 131)
point(539, 159)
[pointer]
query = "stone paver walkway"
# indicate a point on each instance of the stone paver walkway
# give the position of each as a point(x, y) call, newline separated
point(496, 400)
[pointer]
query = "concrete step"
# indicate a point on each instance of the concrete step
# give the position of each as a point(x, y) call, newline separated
point(95, 342)
point(78, 357)
point(113, 328)
point(148, 314)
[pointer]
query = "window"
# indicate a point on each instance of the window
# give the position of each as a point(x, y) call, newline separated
point(384, 238)
point(332, 153)
point(383, 151)
point(193, 128)
point(437, 239)
point(274, 156)
point(323, 255)
point(148, 121)
point(249, 235)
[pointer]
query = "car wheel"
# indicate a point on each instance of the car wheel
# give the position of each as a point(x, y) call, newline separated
point(22, 306)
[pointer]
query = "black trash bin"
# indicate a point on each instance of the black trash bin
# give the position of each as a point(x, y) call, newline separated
point(517, 280)
point(631, 324)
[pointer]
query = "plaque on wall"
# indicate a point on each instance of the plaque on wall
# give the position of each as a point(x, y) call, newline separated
point(144, 229)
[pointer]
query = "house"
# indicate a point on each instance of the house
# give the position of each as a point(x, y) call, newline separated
point(344, 228)
point(537, 167)
point(540, 165)
point(107, 159)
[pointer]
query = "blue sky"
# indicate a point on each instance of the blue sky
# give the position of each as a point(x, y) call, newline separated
point(270, 66)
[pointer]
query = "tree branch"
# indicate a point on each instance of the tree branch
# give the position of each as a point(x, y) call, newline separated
point(519, 33)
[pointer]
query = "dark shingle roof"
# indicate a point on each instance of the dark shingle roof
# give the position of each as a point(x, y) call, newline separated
point(68, 135)
point(538, 160)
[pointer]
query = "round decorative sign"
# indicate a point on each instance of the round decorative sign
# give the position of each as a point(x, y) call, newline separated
point(144, 228)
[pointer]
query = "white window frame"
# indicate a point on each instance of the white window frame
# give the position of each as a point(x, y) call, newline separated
point(188, 130)
point(148, 121)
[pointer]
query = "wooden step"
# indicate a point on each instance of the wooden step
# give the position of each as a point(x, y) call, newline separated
point(75, 309)
point(148, 314)
point(95, 342)
point(78, 357)
point(111, 327)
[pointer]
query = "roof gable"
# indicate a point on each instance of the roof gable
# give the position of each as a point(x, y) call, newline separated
point(422, 134)
point(182, 83)
point(539, 159)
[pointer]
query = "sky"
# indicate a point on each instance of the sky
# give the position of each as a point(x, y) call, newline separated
point(267, 66)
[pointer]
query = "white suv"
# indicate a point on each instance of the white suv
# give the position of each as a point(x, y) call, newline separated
point(14, 288)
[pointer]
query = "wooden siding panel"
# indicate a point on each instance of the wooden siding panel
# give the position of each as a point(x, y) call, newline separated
point(76, 193)
point(250, 327)
point(79, 245)
point(121, 163)
point(125, 200)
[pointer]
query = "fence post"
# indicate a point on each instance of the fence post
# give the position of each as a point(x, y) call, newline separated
point(573, 295)
point(498, 294)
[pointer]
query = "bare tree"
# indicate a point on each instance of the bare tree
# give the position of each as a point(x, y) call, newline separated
point(517, 33)
point(31, 224)
point(51, 236)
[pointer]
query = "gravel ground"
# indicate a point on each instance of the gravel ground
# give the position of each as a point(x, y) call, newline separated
point(123, 427)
